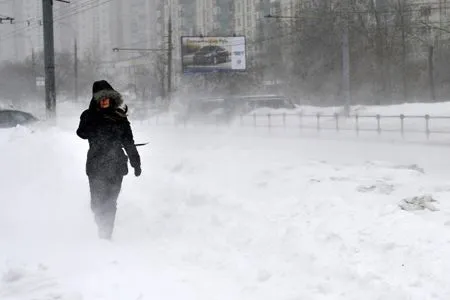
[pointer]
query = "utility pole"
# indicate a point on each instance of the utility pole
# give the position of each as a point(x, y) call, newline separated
point(431, 41)
point(75, 66)
point(33, 68)
point(346, 62)
point(431, 71)
point(169, 60)
point(49, 59)
point(404, 81)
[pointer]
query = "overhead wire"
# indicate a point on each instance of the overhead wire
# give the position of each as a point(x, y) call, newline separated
point(28, 26)
point(83, 7)
point(38, 17)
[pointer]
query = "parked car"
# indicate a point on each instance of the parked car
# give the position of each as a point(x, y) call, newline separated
point(248, 103)
point(224, 109)
point(211, 55)
point(10, 118)
point(206, 110)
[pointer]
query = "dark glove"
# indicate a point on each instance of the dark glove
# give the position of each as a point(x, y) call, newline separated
point(137, 171)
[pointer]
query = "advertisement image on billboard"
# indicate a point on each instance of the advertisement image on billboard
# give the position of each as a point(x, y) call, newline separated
point(213, 54)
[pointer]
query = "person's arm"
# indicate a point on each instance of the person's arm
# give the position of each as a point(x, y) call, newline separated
point(130, 148)
point(86, 127)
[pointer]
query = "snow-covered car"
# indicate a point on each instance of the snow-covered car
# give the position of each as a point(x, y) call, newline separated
point(10, 118)
point(244, 104)
point(206, 110)
point(268, 101)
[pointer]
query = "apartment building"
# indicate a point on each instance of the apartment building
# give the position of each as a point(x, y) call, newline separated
point(138, 19)
point(225, 17)
point(289, 7)
point(246, 14)
point(65, 27)
point(179, 13)
point(173, 11)
point(206, 16)
point(188, 17)
point(437, 11)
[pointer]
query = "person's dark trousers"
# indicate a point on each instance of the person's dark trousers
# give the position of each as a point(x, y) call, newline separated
point(104, 194)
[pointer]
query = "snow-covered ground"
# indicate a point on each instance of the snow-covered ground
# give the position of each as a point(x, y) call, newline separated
point(221, 215)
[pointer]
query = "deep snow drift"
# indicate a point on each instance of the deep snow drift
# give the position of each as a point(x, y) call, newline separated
point(225, 216)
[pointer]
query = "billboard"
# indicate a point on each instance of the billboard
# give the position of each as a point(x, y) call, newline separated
point(213, 54)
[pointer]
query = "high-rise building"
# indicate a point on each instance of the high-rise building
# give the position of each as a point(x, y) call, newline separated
point(65, 27)
point(176, 12)
point(245, 17)
point(188, 17)
point(205, 16)
point(83, 23)
point(289, 7)
point(224, 17)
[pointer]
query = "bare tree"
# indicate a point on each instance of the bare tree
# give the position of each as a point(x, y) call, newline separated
point(396, 50)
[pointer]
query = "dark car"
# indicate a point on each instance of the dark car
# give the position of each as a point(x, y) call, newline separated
point(246, 104)
point(211, 55)
point(10, 118)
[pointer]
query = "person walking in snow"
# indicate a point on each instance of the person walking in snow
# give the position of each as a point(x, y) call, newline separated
point(105, 125)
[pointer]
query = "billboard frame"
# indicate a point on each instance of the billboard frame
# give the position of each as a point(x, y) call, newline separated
point(212, 70)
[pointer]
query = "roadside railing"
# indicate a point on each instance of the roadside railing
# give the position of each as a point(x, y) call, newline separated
point(403, 124)
point(358, 123)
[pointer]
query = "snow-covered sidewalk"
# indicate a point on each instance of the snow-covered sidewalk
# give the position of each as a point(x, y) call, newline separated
point(225, 216)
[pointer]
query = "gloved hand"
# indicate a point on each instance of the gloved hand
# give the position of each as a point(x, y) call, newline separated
point(137, 171)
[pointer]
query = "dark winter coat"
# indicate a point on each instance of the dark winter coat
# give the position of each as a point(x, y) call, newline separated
point(108, 131)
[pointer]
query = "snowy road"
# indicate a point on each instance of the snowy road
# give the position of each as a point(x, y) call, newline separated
point(225, 217)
